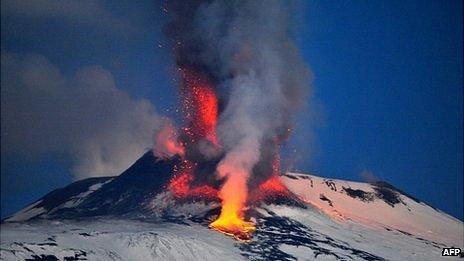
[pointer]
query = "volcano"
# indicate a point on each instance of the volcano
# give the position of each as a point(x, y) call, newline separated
point(136, 216)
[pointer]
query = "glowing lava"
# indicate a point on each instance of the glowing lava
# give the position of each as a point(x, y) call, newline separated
point(233, 196)
point(200, 106)
point(200, 109)
point(166, 143)
point(179, 185)
point(231, 224)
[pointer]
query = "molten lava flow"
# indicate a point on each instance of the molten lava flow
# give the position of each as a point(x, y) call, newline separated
point(201, 111)
point(273, 186)
point(270, 189)
point(180, 187)
point(233, 196)
point(230, 223)
point(179, 184)
point(200, 108)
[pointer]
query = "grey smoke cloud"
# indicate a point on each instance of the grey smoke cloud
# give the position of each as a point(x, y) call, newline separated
point(262, 80)
point(84, 115)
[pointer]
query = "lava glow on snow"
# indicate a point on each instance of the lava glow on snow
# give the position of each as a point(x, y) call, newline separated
point(200, 108)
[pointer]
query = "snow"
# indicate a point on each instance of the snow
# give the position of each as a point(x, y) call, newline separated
point(33, 211)
point(300, 253)
point(27, 213)
point(390, 245)
point(78, 199)
point(411, 217)
point(317, 238)
point(334, 225)
point(115, 239)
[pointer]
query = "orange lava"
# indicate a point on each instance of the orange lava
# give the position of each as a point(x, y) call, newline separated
point(271, 188)
point(231, 224)
point(166, 143)
point(273, 185)
point(200, 108)
point(234, 193)
point(200, 105)
point(179, 185)
point(233, 196)
point(204, 191)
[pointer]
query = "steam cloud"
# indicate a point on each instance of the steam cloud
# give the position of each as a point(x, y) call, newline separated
point(261, 80)
point(84, 116)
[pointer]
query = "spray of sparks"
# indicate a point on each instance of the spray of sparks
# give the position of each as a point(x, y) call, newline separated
point(200, 109)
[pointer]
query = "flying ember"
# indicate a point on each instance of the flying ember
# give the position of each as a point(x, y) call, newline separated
point(200, 106)
point(242, 79)
point(200, 109)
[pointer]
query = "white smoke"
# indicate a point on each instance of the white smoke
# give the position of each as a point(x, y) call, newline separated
point(85, 116)
point(270, 81)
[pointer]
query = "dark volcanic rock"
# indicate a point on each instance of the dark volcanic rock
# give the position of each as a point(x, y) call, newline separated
point(358, 193)
point(130, 190)
point(120, 195)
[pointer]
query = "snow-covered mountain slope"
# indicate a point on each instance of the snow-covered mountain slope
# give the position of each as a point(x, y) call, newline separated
point(113, 239)
point(124, 194)
point(69, 197)
point(133, 217)
point(377, 205)
point(284, 233)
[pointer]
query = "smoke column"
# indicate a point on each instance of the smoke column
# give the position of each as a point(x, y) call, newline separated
point(259, 78)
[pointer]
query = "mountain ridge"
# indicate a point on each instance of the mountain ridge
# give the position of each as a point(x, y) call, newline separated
point(135, 216)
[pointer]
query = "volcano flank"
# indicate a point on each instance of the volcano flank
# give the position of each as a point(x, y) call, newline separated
point(295, 216)
point(133, 192)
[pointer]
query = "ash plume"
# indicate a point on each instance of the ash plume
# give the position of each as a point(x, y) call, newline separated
point(85, 117)
point(245, 49)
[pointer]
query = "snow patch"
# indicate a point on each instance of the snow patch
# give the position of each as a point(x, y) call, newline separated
point(78, 199)
point(407, 215)
point(27, 213)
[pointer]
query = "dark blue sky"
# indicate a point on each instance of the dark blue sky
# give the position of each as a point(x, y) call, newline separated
point(387, 88)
